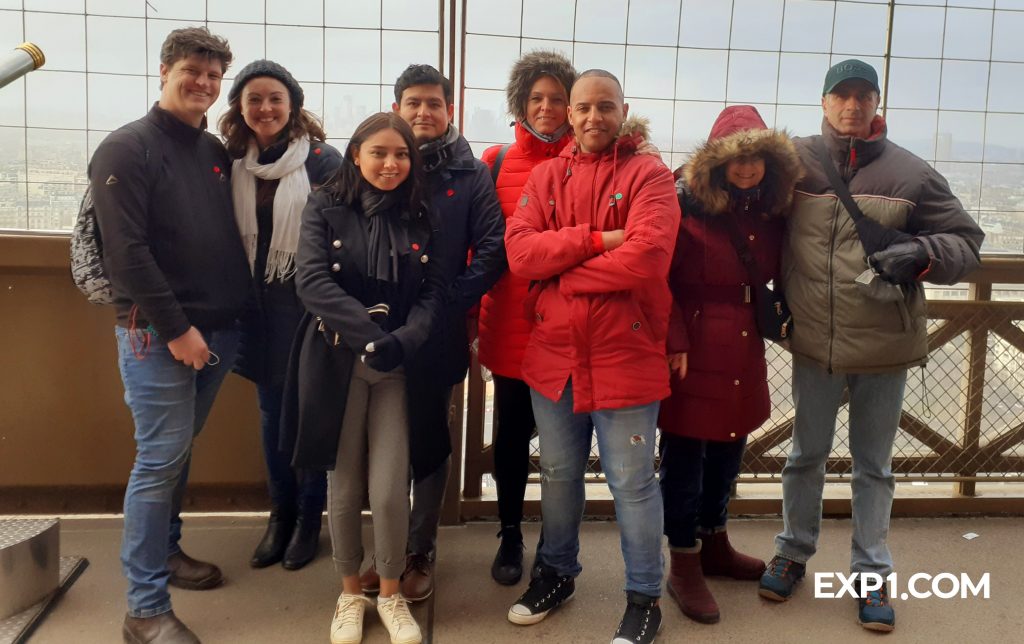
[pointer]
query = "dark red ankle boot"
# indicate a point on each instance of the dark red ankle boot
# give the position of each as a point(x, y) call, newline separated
point(687, 587)
point(719, 559)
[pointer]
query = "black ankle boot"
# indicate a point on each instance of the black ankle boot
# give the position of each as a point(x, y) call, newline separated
point(304, 544)
point(507, 568)
point(275, 540)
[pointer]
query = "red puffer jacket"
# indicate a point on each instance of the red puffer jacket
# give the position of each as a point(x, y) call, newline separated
point(504, 330)
point(600, 317)
point(724, 395)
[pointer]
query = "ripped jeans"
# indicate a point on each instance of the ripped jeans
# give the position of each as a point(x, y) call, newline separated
point(626, 443)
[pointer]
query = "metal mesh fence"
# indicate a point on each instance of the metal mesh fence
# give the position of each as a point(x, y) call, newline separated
point(963, 412)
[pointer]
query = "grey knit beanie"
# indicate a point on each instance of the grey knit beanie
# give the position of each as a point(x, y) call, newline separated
point(258, 68)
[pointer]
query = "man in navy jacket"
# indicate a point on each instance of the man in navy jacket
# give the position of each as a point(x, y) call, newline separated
point(473, 253)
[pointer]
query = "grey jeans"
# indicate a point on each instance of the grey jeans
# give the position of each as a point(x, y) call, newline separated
point(373, 454)
point(876, 400)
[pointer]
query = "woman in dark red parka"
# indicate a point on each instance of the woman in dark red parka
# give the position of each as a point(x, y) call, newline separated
point(743, 177)
point(538, 97)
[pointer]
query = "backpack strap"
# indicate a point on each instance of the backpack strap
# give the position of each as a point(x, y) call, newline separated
point(496, 168)
point(152, 147)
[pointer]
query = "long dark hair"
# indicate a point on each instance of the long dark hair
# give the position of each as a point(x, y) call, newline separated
point(301, 124)
point(348, 184)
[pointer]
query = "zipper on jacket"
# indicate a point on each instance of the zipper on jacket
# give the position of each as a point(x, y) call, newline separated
point(831, 285)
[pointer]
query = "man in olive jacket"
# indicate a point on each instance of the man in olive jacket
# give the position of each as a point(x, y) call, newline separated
point(855, 330)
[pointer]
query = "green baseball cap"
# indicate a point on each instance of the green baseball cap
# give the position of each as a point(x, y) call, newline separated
point(848, 69)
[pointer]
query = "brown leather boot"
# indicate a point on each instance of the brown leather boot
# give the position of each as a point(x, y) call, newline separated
point(418, 578)
point(686, 585)
point(192, 574)
point(369, 581)
point(719, 559)
point(164, 628)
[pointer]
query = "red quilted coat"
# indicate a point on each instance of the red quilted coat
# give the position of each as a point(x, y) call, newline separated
point(504, 330)
point(600, 317)
point(724, 395)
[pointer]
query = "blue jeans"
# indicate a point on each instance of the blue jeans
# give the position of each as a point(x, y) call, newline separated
point(301, 493)
point(626, 443)
point(876, 400)
point(169, 403)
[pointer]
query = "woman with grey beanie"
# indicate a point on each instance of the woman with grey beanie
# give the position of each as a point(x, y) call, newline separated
point(280, 156)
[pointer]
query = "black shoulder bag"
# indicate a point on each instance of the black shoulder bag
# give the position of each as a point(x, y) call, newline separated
point(774, 321)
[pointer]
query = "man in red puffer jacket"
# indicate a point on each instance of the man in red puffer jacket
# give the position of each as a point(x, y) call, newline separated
point(595, 229)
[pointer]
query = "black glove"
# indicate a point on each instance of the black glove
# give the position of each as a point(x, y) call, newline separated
point(901, 263)
point(384, 354)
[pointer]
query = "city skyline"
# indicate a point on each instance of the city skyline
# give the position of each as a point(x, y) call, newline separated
point(953, 89)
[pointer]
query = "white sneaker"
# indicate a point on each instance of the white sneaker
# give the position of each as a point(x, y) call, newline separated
point(347, 625)
point(395, 615)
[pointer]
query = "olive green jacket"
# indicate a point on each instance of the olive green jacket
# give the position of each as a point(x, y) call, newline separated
point(837, 323)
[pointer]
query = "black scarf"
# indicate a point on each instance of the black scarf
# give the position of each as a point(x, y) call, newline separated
point(437, 152)
point(386, 236)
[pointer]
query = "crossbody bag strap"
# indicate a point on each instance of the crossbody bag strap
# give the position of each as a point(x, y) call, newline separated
point(842, 190)
point(743, 250)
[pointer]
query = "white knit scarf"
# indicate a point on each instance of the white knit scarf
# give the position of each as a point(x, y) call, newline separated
point(289, 200)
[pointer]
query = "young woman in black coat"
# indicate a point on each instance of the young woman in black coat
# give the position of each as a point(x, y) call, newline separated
point(372, 289)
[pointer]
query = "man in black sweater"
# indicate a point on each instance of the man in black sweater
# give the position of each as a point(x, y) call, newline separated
point(172, 252)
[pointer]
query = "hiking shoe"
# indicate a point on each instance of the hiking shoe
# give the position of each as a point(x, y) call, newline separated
point(394, 614)
point(779, 578)
point(507, 568)
point(418, 578)
point(347, 625)
point(641, 621)
point(547, 591)
point(875, 612)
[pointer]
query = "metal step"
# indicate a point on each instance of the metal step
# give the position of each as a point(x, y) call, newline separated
point(18, 628)
point(29, 562)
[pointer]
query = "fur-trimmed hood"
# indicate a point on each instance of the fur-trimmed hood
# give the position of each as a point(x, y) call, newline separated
point(739, 131)
point(527, 70)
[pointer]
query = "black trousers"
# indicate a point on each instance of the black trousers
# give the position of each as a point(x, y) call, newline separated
point(514, 429)
point(696, 479)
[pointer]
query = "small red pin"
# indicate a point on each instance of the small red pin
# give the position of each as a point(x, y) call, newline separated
point(316, 150)
point(451, 193)
point(415, 246)
point(216, 169)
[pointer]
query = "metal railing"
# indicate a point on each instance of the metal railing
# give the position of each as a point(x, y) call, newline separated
point(963, 413)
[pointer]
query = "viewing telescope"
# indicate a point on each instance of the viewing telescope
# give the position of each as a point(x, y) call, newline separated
point(20, 61)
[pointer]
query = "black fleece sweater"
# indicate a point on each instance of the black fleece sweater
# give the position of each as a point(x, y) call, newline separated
point(170, 242)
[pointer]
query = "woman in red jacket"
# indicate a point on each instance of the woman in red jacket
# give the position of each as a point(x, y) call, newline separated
point(538, 97)
point(743, 179)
